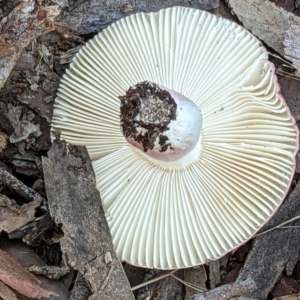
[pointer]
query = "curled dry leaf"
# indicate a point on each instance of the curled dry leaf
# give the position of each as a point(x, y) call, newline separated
point(19, 279)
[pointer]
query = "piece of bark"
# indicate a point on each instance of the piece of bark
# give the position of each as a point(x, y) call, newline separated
point(18, 187)
point(6, 293)
point(75, 203)
point(19, 279)
point(272, 251)
point(81, 290)
point(289, 5)
point(196, 276)
point(24, 24)
point(214, 275)
point(158, 284)
point(285, 286)
point(14, 216)
point(226, 291)
point(267, 21)
point(223, 261)
point(27, 257)
point(170, 288)
point(290, 89)
point(148, 291)
point(232, 275)
point(291, 44)
point(92, 16)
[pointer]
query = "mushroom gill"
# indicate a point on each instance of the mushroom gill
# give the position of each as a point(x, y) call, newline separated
point(225, 184)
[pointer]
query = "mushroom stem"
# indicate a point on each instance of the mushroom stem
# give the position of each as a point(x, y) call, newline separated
point(160, 122)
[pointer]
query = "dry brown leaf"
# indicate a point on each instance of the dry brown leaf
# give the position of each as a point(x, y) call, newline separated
point(13, 216)
point(19, 279)
point(6, 293)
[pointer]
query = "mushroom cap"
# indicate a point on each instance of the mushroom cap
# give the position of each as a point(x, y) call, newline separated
point(184, 213)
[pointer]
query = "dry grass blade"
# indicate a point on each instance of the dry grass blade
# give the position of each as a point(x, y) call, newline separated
point(287, 74)
point(288, 64)
point(191, 285)
point(280, 226)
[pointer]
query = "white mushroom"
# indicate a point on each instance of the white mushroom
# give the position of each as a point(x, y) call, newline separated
point(210, 193)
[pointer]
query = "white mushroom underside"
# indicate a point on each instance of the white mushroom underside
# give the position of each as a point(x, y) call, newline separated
point(166, 217)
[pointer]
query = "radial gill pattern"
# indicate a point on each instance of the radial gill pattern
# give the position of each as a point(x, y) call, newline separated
point(175, 216)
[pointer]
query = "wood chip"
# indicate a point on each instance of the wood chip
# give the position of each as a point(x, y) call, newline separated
point(74, 202)
point(267, 21)
point(227, 291)
point(214, 275)
point(94, 15)
point(6, 293)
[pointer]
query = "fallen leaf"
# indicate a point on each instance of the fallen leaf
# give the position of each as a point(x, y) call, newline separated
point(19, 279)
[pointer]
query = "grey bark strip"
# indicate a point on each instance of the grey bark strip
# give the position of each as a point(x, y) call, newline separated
point(265, 20)
point(74, 202)
point(226, 291)
point(92, 16)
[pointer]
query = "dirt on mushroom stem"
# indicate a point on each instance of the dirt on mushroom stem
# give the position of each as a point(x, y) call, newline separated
point(146, 112)
point(160, 122)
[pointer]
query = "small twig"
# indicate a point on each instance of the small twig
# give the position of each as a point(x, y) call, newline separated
point(152, 280)
point(105, 282)
point(17, 186)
